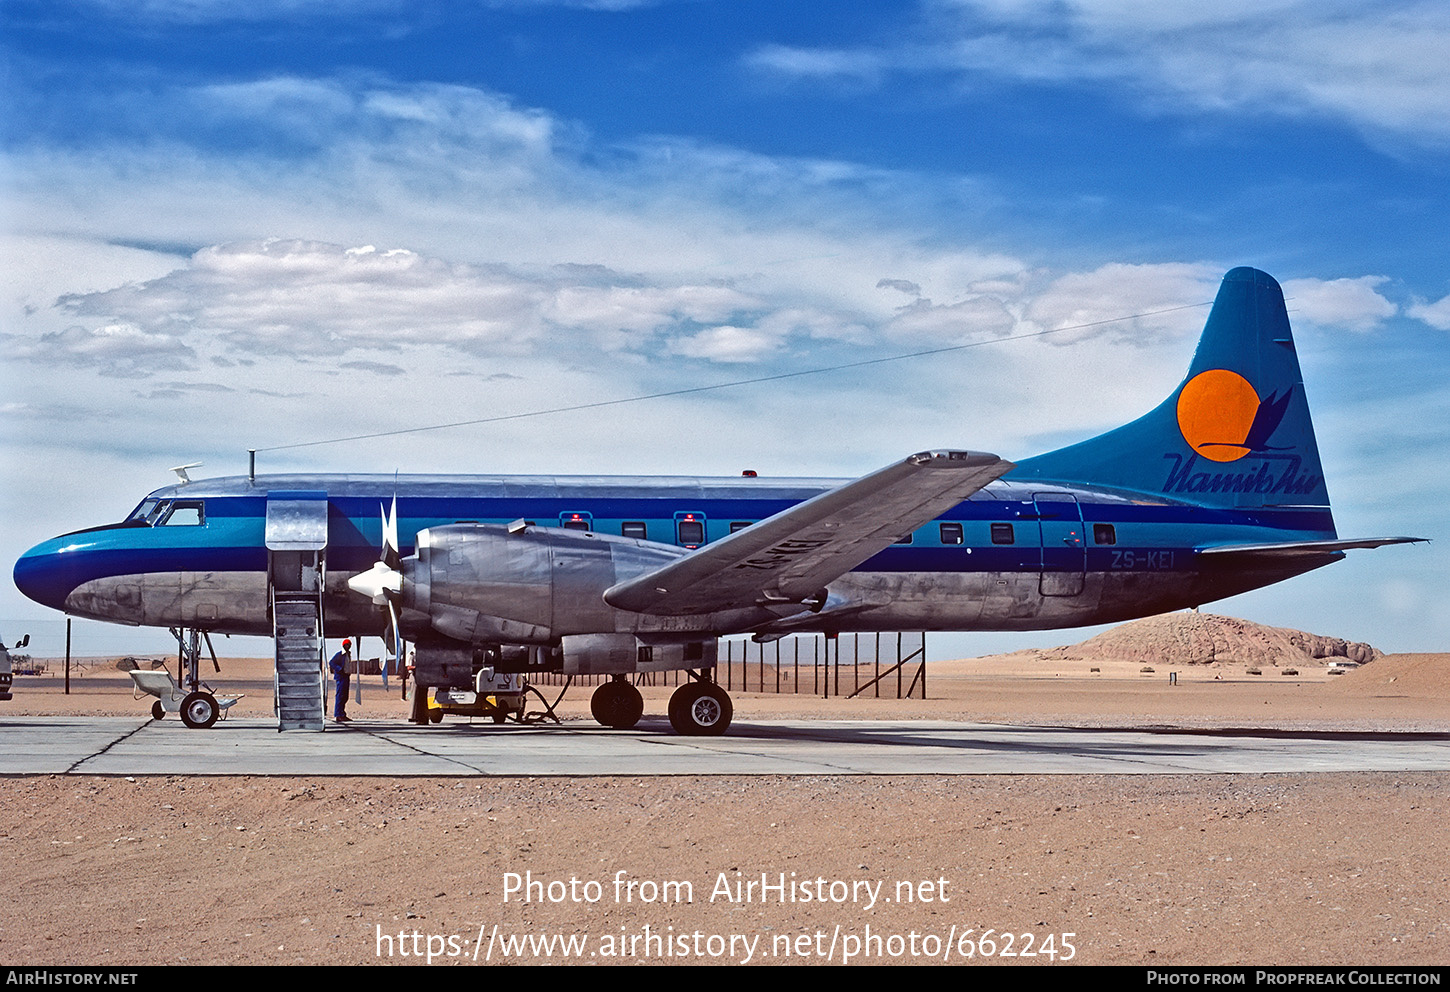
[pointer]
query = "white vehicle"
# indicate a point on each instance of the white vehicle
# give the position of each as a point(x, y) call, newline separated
point(6, 675)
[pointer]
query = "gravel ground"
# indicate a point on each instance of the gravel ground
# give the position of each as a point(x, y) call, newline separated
point(1203, 869)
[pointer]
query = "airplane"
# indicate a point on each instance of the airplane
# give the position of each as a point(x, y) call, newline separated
point(1216, 491)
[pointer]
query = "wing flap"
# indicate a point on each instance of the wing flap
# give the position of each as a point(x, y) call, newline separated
point(791, 556)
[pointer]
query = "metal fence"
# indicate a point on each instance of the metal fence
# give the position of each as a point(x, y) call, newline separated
point(889, 665)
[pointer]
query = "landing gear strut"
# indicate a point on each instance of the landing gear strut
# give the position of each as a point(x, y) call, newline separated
point(617, 704)
point(700, 709)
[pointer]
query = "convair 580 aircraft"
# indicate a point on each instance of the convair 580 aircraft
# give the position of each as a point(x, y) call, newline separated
point(1216, 491)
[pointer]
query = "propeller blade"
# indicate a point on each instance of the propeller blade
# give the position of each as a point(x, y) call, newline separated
point(391, 555)
point(383, 583)
point(393, 635)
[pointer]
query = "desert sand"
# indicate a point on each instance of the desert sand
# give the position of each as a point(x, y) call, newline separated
point(1194, 869)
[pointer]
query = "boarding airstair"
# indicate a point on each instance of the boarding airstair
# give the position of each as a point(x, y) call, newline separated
point(296, 537)
point(298, 683)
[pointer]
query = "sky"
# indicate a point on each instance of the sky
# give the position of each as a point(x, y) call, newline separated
point(263, 223)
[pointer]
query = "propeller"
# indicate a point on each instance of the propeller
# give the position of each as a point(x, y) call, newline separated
point(383, 583)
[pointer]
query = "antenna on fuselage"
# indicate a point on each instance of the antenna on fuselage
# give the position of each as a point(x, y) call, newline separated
point(180, 471)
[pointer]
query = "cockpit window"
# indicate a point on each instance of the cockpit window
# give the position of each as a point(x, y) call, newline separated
point(142, 512)
point(184, 513)
point(158, 511)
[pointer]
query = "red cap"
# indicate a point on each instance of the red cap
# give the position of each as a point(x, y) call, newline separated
point(347, 642)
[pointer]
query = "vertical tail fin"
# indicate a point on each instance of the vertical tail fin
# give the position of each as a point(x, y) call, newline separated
point(1235, 433)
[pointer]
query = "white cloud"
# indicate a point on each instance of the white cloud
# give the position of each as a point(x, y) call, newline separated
point(975, 318)
point(817, 63)
point(1353, 304)
point(114, 349)
point(505, 262)
point(1379, 67)
point(1436, 314)
point(307, 298)
point(1092, 304)
point(727, 344)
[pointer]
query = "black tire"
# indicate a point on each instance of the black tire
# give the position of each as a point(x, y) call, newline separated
point(700, 709)
point(617, 705)
point(499, 716)
point(199, 710)
point(435, 715)
point(158, 712)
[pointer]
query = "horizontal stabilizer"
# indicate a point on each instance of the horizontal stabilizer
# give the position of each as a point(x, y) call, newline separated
point(790, 557)
point(1302, 549)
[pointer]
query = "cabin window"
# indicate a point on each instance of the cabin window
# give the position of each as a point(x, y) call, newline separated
point(951, 533)
point(1105, 534)
point(739, 525)
point(184, 514)
point(904, 540)
point(691, 532)
point(634, 528)
point(1002, 534)
point(576, 521)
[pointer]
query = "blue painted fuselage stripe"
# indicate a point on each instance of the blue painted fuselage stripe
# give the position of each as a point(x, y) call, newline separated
point(231, 539)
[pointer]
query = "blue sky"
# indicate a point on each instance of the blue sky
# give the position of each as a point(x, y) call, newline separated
point(233, 225)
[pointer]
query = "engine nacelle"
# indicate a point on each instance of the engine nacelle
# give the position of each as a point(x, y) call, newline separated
point(521, 599)
point(615, 654)
point(480, 584)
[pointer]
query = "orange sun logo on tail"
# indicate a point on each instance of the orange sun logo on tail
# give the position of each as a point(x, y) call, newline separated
point(1223, 419)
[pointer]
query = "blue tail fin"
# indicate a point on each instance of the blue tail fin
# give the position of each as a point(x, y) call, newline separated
point(1235, 433)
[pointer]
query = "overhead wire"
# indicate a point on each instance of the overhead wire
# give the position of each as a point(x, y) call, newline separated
point(776, 377)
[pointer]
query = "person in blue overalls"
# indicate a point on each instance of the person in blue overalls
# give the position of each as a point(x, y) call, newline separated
point(338, 666)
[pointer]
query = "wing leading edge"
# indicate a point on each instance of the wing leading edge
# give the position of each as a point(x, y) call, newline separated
point(790, 557)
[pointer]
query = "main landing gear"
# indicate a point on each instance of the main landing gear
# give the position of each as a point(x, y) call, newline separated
point(700, 709)
point(617, 704)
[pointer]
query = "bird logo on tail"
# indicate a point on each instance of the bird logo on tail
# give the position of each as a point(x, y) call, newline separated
point(1223, 419)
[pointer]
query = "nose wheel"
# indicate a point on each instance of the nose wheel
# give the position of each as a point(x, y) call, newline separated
point(199, 710)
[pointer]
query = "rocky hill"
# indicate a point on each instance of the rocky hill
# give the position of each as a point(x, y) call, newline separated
point(1204, 638)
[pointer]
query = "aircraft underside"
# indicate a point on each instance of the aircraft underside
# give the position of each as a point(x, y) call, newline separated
point(237, 602)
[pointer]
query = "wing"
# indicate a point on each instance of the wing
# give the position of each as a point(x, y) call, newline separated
point(791, 556)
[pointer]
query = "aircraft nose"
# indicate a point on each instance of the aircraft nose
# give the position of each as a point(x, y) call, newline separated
point(42, 574)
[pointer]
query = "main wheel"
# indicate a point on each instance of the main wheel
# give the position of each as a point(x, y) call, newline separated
point(617, 704)
point(199, 710)
point(158, 712)
point(700, 709)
